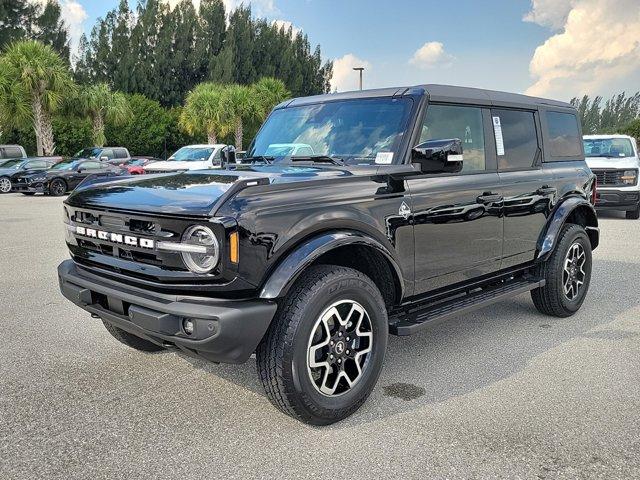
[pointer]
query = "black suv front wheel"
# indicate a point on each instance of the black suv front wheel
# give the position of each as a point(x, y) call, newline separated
point(567, 273)
point(324, 351)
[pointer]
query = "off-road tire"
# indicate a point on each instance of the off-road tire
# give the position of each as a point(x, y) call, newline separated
point(131, 340)
point(282, 353)
point(633, 214)
point(551, 299)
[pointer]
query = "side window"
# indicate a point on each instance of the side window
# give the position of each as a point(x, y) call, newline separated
point(12, 152)
point(120, 153)
point(449, 121)
point(564, 136)
point(33, 165)
point(107, 152)
point(519, 138)
point(218, 154)
point(91, 166)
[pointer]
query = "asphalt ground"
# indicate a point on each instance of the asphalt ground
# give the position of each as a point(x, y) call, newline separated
point(504, 392)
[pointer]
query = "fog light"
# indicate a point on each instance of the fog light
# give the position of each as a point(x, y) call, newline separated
point(188, 326)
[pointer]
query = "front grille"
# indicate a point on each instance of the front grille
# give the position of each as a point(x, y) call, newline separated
point(155, 229)
point(610, 178)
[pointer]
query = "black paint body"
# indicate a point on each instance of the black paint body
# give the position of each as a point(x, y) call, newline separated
point(432, 232)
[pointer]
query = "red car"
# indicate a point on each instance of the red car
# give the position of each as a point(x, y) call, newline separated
point(135, 165)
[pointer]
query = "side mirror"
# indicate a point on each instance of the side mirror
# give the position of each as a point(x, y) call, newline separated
point(228, 155)
point(438, 156)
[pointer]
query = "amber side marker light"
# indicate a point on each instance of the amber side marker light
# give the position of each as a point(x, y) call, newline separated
point(233, 247)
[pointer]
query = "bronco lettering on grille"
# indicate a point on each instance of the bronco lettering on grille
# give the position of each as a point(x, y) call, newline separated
point(115, 237)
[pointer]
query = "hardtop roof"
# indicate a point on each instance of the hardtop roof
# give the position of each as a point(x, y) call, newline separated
point(437, 93)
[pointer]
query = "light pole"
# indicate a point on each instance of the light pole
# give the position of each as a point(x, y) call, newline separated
point(359, 69)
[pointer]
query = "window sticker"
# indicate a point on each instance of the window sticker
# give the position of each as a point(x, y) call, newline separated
point(384, 158)
point(497, 129)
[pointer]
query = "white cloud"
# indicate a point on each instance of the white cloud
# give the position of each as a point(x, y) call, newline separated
point(259, 8)
point(431, 54)
point(286, 24)
point(344, 77)
point(549, 13)
point(599, 43)
point(73, 15)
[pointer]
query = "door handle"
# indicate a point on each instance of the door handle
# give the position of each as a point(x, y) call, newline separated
point(546, 190)
point(489, 197)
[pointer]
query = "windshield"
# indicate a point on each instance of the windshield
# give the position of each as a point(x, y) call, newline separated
point(355, 131)
point(191, 154)
point(63, 166)
point(608, 147)
point(12, 164)
point(88, 153)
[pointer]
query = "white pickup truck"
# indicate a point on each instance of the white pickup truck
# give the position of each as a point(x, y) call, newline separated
point(614, 160)
point(191, 157)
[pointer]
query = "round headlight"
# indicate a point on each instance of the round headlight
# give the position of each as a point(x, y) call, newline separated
point(204, 255)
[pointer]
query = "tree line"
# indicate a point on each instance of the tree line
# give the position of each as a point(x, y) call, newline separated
point(618, 114)
point(133, 75)
point(164, 52)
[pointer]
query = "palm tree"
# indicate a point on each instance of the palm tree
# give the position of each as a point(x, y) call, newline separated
point(203, 112)
point(268, 93)
point(34, 82)
point(239, 104)
point(101, 104)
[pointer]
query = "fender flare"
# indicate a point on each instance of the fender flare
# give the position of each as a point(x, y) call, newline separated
point(303, 255)
point(547, 241)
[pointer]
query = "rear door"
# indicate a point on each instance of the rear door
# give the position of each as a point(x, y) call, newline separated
point(457, 217)
point(528, 188)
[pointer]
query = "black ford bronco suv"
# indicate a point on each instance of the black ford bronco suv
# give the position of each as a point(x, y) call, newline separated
point(355, 216)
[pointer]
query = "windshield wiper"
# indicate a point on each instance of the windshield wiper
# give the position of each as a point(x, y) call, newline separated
point(259, 158)
point(319, 159)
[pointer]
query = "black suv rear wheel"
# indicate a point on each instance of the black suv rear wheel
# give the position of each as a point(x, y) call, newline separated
point(567, 273)
point(324, 350)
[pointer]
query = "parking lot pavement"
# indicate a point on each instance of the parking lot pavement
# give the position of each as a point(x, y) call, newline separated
point(503, 392)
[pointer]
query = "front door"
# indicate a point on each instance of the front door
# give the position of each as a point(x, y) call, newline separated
point(458, 223)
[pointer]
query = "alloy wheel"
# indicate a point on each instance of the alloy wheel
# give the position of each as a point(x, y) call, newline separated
point(57, 188)
point(339, 348)
point(573, 275)
point(5, 185)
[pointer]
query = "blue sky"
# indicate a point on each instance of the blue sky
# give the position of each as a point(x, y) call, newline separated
point(555, 48)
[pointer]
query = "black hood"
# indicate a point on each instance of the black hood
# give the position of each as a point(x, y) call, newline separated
point(191, 192)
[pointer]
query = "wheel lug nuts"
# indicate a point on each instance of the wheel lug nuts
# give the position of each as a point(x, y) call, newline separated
point(348, 339)
point(331, 356)
point(339, 334)
point(331, 343)
point(347, 352)
point(339, 360)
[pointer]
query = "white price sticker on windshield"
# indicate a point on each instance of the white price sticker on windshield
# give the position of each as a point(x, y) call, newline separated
point(384, 158)
point(497, 129)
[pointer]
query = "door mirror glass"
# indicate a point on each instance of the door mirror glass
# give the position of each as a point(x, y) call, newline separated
point(438, 156)
point(228, 155)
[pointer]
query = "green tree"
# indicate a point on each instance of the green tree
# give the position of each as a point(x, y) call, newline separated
point(268, 92)
point(99, 104)
point(239, 105)
point(16, 21)
point(50, 29)
point(146, 131)
point(204, 111)
point(35, 81)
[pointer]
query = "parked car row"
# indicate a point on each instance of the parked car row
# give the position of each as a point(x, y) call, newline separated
point(57, 176)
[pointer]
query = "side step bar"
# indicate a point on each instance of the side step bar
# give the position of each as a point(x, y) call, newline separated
point(416, 318)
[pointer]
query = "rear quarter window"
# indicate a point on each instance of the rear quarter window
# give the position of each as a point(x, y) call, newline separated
point(564, 135)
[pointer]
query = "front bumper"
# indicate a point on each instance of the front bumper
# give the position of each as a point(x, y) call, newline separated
point(610, 199)
point(27, 187)
point(226, 331)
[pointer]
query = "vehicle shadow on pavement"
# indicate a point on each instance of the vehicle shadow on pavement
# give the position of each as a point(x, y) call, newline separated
point(473, 351)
